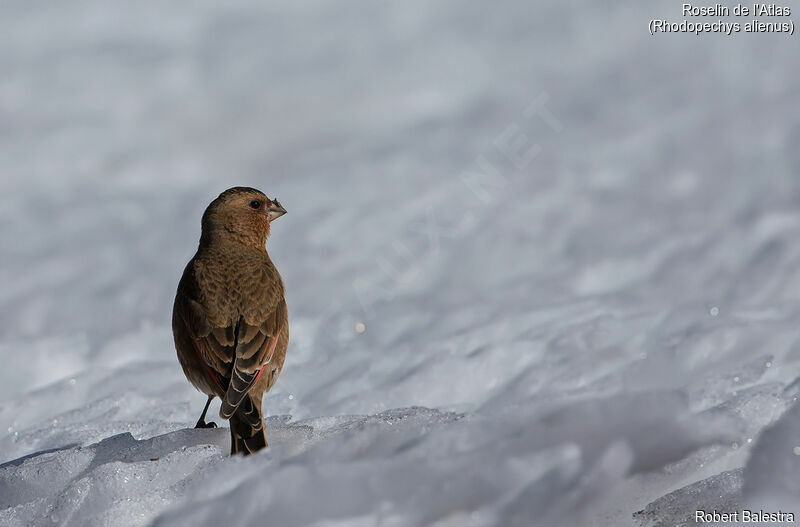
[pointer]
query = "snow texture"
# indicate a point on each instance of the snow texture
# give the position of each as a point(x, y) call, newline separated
point(542, 268)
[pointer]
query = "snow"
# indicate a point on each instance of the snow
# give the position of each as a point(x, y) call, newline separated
point(771, 472)
point(541, 266)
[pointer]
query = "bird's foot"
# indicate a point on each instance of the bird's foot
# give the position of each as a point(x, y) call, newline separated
point(202, 424)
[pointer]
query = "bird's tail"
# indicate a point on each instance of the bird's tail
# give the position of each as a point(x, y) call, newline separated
point(246, 439)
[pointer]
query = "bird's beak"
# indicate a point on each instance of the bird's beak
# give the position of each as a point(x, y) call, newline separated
point(275, 210)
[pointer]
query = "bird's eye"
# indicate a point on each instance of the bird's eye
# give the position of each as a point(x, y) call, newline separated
point(255, 204)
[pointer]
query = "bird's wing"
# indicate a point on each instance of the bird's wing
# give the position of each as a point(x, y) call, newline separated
point(190, 318)
point(254, 347)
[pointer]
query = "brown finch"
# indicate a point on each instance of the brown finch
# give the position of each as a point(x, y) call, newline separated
point(229, 321)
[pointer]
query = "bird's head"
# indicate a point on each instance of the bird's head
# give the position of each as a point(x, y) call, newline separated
point(240, 214)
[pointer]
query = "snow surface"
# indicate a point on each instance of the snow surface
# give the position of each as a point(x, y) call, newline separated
point(542, 268)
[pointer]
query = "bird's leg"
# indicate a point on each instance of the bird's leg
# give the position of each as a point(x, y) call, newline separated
point(201, 423)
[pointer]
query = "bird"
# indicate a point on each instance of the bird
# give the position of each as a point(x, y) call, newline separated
point(229, 320)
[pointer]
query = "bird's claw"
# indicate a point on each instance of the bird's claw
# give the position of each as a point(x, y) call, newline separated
point(203, 424)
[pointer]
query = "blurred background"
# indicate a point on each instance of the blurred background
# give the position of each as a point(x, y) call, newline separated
point(491, 207)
